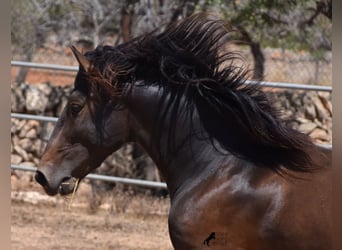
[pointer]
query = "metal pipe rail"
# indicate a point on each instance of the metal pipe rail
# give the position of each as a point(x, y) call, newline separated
point(265, 84)
point(325, 146)
point(129, 181)
point(34, 117)
point(293, 86)
point(44, 66)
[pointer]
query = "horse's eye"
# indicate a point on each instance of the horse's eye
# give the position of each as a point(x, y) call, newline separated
point(75, 108)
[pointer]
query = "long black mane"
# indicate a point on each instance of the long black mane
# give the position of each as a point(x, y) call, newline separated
point(188, 59)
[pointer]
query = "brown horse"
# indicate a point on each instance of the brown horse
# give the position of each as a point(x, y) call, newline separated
point(237, 177)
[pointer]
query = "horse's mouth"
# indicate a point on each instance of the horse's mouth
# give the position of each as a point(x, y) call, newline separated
point(55, 185)
point(68, 186)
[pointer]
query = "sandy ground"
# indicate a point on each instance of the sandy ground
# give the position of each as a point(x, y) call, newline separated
point(123, 222)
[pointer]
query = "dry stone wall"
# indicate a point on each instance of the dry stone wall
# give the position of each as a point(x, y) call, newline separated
point(307, 111)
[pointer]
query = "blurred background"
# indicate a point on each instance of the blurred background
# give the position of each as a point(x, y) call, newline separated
point(282, 41)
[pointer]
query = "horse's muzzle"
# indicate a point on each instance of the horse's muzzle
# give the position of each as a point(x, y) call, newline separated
point(63, 186)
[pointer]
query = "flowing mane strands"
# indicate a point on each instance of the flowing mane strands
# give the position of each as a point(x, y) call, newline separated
point(185, 53)
point(189, 59)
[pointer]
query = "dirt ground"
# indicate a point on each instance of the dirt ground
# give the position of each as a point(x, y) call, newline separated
point(122, 222)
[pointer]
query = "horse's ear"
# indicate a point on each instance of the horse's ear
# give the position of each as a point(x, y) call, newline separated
point(82, 60)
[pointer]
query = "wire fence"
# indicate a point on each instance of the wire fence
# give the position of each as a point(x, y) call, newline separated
point(297, 66)
point(313, 72)
point(280, 66)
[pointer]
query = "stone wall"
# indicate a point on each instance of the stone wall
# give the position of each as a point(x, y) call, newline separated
point(309, 112)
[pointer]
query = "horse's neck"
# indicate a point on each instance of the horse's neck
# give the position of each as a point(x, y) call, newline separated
point(190, 155)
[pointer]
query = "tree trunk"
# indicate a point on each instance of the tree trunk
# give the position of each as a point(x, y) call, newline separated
point(258, 56)
point(126, 23)
point(259, 61)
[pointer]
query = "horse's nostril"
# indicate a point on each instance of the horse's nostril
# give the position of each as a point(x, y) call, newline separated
point(40, 178)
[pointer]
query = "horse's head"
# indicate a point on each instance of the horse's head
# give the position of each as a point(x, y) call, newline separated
point(85, 134)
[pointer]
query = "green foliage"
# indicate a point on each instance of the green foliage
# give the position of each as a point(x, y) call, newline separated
point(291, 24)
